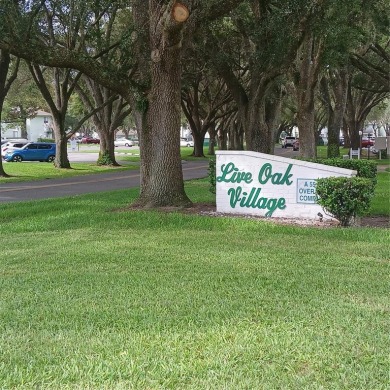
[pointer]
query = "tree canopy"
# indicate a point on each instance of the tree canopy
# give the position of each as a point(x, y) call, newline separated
point(255, 50)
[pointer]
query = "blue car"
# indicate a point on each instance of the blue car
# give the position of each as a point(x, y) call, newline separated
point(33, 151)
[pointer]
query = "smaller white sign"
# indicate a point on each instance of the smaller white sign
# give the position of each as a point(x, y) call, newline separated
point(306, 191)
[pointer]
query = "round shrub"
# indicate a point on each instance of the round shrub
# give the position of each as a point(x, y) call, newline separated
point(345, 198)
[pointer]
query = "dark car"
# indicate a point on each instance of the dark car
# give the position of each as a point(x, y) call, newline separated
point(90, 140)
point(296, 145)
point(33, 151)
point(367, 142)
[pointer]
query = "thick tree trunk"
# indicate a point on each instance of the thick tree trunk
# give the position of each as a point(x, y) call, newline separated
point(257, 133)
point(222, 133)
point(305, 83)
point(198, 145)
point(252, 114)
point(353, 127)
point(107, 148)
point(359, 104)
point(336, 122)
point(236, 136)
point(61, 160)
point(273, 111)
point(198, 131)
point(306, 120)
point(162, 181)
point(213, 136)
point(5, 60)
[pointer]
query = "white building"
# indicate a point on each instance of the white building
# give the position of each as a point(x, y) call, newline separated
point(38, 127)
point(10, 131)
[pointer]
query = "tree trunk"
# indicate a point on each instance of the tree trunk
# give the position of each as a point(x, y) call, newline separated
point(198, 144)
point(251, 107)
point(5, 60)
point(305, 121)
point(162, 181)
point(58, 104)
point(61, 160)
point(257, 133)
point(273, 111)
point(305, 82)
point(107, 113)
point(107, 148)
point(213, 136)
point(222, 132)
point(353, 119)
point(336, 113)
point(236, 138)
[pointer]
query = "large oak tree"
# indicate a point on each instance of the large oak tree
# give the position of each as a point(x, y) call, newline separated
point(153, 87)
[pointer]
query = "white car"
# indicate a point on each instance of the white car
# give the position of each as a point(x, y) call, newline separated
point(8, 146)
point(185, 142)
point(288, 141)
point(123, 142)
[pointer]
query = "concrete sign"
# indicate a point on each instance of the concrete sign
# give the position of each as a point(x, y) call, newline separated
point(270, 186)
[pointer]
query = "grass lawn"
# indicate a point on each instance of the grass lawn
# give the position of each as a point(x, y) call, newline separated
point(380, 204)
point(28, 171)
point(97, 296)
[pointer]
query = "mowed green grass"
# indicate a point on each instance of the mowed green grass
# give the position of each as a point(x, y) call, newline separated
point(28, 171)
point(380, 204)
point(95, 295)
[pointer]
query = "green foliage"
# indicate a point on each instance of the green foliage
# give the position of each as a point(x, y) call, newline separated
point(364, 168)
point(104, 159)
point(345, 198)
point(50, 140)
point(142, 103)
point(212, 175)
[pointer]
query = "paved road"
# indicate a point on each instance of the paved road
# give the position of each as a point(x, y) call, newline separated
point(56, 188)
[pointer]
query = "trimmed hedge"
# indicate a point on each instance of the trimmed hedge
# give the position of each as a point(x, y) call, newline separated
point(364, 168)
point(50, 140)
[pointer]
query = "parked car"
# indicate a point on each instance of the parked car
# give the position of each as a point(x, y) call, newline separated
point(367, 142)
point(186, 142)
point(90, 140)
point(33, 151)
point(135, 141)
point(288, 141)
point(296, 145)
point(123, 142)
point(10, 145)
